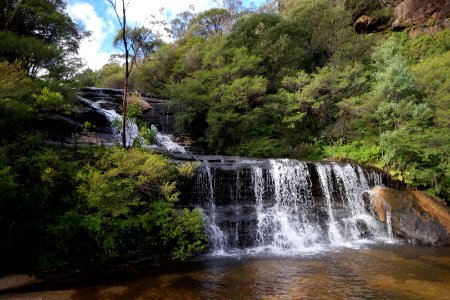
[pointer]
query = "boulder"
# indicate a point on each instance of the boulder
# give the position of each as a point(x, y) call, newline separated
point(364, 24)
point(144, 105)
point(414, 215)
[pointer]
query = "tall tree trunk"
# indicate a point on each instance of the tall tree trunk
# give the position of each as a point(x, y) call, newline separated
point(127, 74)
point(124, 113)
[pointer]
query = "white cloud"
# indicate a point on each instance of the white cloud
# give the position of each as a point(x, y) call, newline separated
point(97, 49)
point(93, 48)
point(143, 12)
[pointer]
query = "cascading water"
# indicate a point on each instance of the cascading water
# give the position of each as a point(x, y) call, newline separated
point(286, 206)
point(325, 172)
point(132, 130)
point(166, 142)
point(204, 183)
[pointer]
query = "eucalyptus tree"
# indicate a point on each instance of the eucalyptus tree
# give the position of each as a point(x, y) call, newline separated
point(123, 30)
point(136, 44)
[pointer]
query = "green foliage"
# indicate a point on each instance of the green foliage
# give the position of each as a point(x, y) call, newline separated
point(280, 43)
point(48, 100)
point(8, 185)
point(15, 107)
point(394, 80)
point(191, 94)
point(420, 158)
point(325, 25)
point(41, 35)
point(181, 230)
point(74, 214)
point(87, 78)
point(210, 22)
point(260, 147)
point(227, 120)
point(394, 115)
point(36, 187)
point(133, 110)
point(433, 76)
point(188, 169)
point(141, 42)
point(363, 151)
point(13, 82)
point(110, 76)
point(123, 194)
point(146, 134)
point(425, 46)
point(313, 101)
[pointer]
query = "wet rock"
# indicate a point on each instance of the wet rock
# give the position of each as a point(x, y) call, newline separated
point(415, 216)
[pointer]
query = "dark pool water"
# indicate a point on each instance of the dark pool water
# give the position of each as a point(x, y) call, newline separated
point(370, 272)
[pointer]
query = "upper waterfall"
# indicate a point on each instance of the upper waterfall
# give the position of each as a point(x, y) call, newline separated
point(107, 103)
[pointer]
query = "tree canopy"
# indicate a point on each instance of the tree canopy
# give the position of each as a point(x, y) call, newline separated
point(40, 35)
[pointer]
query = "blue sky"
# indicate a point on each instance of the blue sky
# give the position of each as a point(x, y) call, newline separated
point(98, 17)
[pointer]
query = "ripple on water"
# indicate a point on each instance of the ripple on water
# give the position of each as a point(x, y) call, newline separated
point(370, 272)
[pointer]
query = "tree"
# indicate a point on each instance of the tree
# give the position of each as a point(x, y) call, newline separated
point(179, 25)
point(210, 22)
point(137, 43)
point(141, 43)
point(123, 28)
point(40, 34)
point(324, 24)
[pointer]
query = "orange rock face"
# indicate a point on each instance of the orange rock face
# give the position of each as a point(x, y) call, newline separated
point(415, 12)
point(415, 216)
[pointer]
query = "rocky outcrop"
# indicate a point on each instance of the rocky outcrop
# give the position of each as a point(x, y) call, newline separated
point(417, 16)
point(364, 24)
point(410, 13)
point(414, 215)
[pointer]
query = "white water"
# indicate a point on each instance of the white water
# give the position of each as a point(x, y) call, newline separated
point(132, 130)
point(217, 237)
point(290, 221)
point(288, 218)
point(334, 234)
point(165, 141)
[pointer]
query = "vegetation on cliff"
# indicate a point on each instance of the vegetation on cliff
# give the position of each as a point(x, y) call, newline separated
point(305, 84)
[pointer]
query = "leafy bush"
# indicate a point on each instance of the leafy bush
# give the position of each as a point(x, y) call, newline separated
point(365, 152)
point(128, 204)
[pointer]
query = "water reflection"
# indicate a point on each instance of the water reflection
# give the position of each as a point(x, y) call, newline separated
point(387, 272)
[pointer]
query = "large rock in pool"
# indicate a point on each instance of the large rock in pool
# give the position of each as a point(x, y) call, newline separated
point(415, 216)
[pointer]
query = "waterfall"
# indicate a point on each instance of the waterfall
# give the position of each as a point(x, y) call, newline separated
point(286, 206)
point(164, 141)
point(204, 181)
point(334, 233)
point(132, 130)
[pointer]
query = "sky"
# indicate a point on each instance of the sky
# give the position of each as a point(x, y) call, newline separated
point(98, 17)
